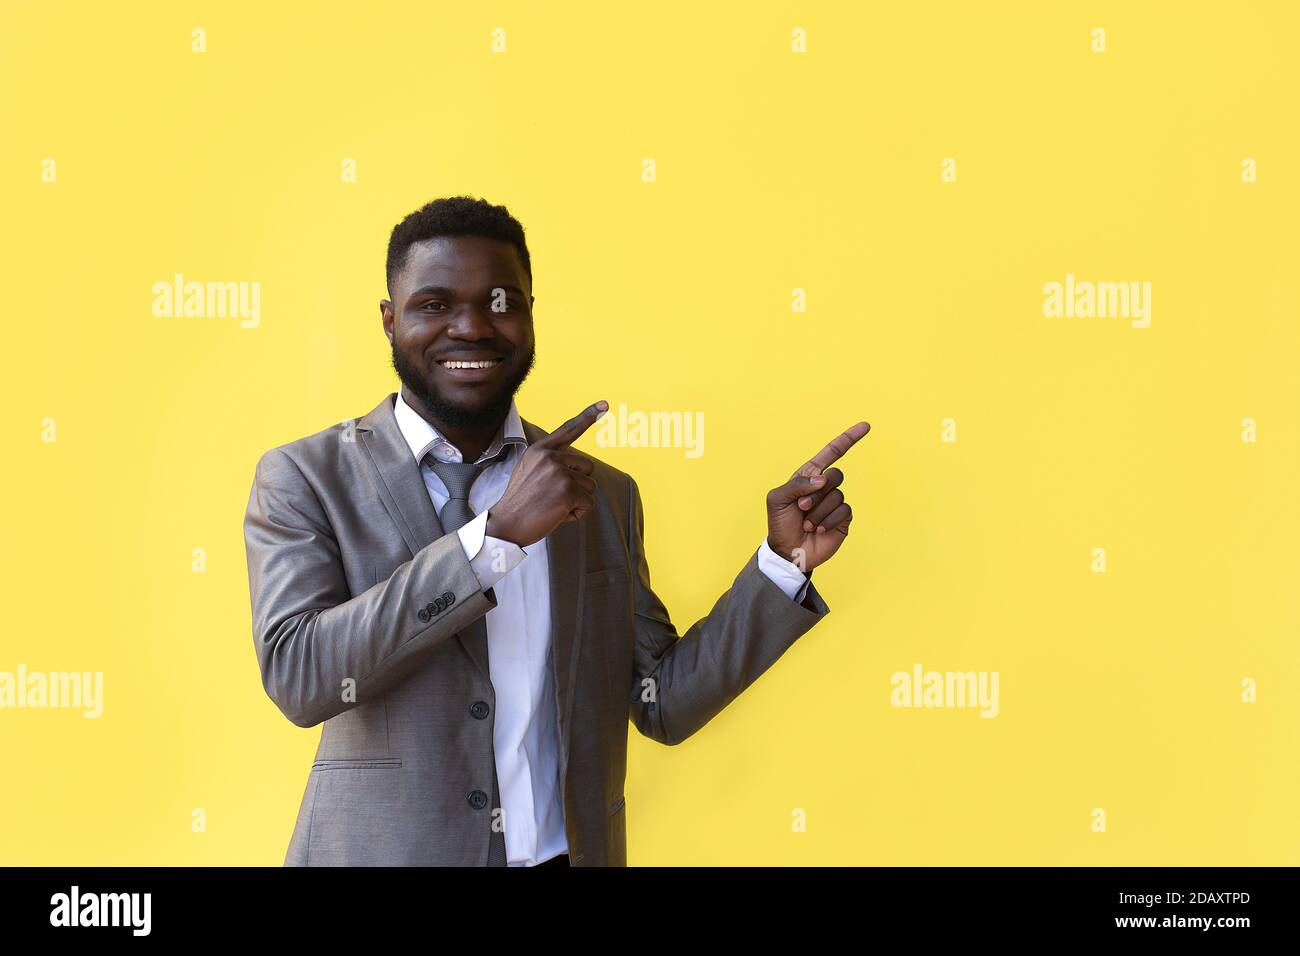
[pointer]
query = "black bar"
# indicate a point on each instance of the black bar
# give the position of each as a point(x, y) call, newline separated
point(971, 904)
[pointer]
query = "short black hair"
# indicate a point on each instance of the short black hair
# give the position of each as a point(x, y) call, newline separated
point(454, 216)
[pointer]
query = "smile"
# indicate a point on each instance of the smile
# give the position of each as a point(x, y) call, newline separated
point(482, 363)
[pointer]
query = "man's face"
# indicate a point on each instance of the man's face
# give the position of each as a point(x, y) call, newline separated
point(462, 299)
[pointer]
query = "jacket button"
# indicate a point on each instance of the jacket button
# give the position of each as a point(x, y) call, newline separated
point(478, 710)
point(477, 799)
point(423, 615)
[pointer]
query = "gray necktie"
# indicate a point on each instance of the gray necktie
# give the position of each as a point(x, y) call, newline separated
point(459, 477)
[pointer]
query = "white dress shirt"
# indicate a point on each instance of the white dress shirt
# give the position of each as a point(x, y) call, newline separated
point(525, 732)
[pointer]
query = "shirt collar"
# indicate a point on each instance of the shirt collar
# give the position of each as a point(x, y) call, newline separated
point(423, 438)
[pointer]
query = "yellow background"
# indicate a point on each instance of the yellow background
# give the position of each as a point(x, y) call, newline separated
point(775, 171)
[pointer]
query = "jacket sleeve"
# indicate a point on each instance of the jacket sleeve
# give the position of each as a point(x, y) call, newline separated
point(310, 633)
point(681, 683)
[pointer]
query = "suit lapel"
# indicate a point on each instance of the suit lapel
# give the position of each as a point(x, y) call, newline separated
point(403, 494)
point(401, 488)
point(400, 484)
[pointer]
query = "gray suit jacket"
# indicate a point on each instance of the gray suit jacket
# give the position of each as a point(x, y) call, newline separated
point(360, 612)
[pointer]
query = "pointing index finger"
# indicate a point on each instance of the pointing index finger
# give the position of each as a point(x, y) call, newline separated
point(836, 450)
point(572, 430)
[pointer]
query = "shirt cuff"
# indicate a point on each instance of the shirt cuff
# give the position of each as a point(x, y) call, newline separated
point(784, 574)
point(490, 558)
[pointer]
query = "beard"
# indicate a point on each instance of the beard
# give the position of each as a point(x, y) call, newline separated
point(489, 414)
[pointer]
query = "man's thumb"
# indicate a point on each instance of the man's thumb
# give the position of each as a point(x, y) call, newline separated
point(796, 488)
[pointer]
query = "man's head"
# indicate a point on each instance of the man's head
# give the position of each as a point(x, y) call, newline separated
point(460, 291)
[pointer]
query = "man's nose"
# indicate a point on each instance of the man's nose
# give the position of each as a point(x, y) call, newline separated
point(470, 322)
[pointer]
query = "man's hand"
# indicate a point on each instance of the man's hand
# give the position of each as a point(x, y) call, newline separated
point(551, 484)
point(807, 517)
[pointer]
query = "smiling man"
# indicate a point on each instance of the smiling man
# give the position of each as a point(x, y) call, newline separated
point(461, 599)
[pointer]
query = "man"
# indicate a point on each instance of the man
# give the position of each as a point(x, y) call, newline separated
point(474, 688)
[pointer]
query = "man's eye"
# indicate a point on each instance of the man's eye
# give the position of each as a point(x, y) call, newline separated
point(430, 305)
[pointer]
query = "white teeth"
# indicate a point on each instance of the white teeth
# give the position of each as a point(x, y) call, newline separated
point(485, 363)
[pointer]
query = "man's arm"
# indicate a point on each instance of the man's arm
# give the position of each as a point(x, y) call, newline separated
point(680, 684)
point(311, 635)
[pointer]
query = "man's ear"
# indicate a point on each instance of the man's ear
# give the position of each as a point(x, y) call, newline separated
point(386, 313)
